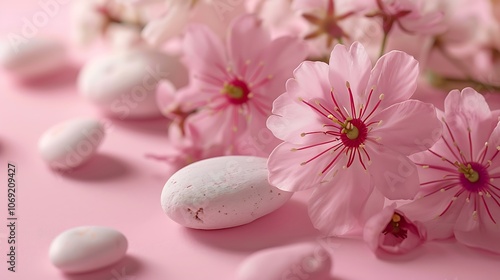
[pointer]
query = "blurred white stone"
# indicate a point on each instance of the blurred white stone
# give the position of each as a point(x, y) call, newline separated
point(123, 84)
point(32, 58)
point(71, 143)
point(87, 248)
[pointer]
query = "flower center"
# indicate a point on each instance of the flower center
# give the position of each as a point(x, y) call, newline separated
point(473, 176)
point(236, 91)
point(395, 226)
point(353, 132)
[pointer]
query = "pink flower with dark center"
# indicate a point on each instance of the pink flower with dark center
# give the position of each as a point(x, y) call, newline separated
point(391, 231)
point(407, 15)
point(328, 25)
point(459, 195)
point(233, 87)
point(347, 131)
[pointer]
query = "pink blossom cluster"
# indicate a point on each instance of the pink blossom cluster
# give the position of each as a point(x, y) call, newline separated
point(333, 92)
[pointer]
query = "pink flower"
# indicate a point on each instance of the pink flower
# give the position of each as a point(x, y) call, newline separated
point(459, 194)
point(321, 22)
point(391, 231)
point(328, 25)
point(347, 129)
point(408, 15)
point(185, 147)
point(233, 87)
point(217, 15)
point(120, 24)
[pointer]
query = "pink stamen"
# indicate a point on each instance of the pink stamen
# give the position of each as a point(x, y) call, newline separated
point(493, 186)
point(317, 156)
point(438, 167)
point(470, 145)
point(463, 159)
point(337, 105)
point(494, 155)
point(367, 104)
point(361, 159)
point(447, 187)
point(488, 209)
point(451, 202)
point(373, 110)
point(316, 145)
point(438, 181)
point(334, 160)
point(441, 157)
point(256, 72)
point(316, 109)
point(351, 98)
point(352, 156)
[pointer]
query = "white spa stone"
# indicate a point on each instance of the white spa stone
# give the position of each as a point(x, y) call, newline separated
point(221, 192)
point(71, 143)
point(87, 248)
point(298, 261)
point(123, 84)
point(31, 59)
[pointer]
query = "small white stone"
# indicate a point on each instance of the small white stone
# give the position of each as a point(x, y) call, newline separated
point(298, 261)
point(123, 84)
point(32, 58)
point(71, 143)
point(221, 192)
point(87, 248)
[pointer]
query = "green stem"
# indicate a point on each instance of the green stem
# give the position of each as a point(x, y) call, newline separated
point(383, 45)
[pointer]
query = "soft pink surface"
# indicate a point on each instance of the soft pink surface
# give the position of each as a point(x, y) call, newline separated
point(120, 188)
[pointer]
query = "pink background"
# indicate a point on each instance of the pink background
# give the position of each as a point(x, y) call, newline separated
point(120, 188)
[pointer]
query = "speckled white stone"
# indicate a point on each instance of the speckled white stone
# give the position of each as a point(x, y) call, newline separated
point(298, 261)
point(32, 58)
point(221, 192)
point(87, 248)
point(123, 84)
point(71, 143)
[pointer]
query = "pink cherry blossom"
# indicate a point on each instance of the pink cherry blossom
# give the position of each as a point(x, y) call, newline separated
point(408, 15)
point(459, 195)
point(392, 232)
point(117, 23)
point(217, 15)
point(185, 147)
point(232, 88)
point(320, 22)
point(347, 132)
point(328, 25)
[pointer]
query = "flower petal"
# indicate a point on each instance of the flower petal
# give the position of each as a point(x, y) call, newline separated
point(310, 81)
point(351, 66)
point(376, 224)
point(478, 230)
point(240, 51)
point(214, 129)
point(393, 173)
point(468, 111)
point(283, 162)
point(395, 75)
point(170, 25)
point(428, 210)
point(338, 208)
point(204, 51)
point(408, 127)
point(285, 53)
point(291, 118)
